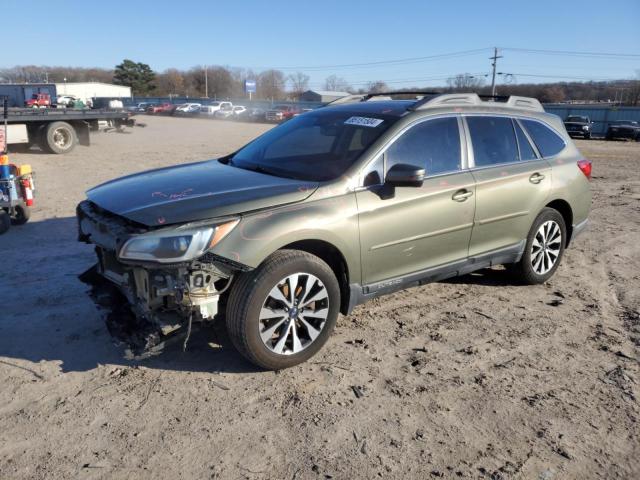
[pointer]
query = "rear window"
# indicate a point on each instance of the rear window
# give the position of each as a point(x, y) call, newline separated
point(548, 142)
point(526, 150)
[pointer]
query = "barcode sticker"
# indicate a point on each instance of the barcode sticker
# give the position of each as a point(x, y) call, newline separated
point(364, 121)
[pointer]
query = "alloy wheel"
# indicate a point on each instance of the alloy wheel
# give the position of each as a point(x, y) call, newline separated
point(545, 248)
point(294, 313)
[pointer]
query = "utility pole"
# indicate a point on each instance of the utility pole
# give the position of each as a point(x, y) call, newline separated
point(206, 82)
point(493, 64)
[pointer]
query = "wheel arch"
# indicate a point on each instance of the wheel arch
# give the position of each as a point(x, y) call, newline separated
point(333, 257)
point(564, 208)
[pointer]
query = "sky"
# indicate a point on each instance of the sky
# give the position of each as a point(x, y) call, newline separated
point(321, 38)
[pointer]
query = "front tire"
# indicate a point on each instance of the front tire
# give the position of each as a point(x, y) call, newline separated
point(22, 213)
point(282, 313)
point(544, 248)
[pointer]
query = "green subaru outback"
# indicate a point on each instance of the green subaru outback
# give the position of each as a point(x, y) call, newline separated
point(339, 205)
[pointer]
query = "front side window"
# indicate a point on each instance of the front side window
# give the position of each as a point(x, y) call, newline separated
point(548, 142)
point(433, 144)
point(317, 146)
point(493, 141)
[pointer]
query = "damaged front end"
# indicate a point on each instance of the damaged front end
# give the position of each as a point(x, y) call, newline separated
point(167, 274)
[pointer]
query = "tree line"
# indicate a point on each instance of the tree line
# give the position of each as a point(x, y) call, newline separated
point(216, 81)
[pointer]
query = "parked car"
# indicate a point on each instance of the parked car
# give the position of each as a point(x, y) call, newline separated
point(214, 107)
point(139, 107)
point(163, 108)
point(336, 207)
point(578, 125)
point(230, 112)
point(623, 129)
point(187, 109)
point(65, 100)
point(281, 113)
point(252, 115)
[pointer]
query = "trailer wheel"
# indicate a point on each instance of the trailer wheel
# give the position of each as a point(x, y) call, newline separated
point(21, 214)
point(5, 221)
point(59, 137)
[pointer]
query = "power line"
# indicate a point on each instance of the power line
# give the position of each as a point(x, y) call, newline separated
point(566, 77)
point(400, 61)
point(621, 56)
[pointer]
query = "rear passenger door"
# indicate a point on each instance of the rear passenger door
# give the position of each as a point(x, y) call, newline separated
point(512, 182)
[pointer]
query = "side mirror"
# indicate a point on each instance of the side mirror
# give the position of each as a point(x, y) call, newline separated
point(403, 175)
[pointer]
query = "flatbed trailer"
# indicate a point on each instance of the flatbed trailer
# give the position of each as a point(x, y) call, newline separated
point(59, 130)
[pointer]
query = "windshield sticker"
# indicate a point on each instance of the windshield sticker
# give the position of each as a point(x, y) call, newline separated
point(363, 121)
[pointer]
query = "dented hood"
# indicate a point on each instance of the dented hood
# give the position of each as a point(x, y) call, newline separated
point(196, 191)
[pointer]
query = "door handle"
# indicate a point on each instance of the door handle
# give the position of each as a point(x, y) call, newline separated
point(536, 178)
point(461, 195)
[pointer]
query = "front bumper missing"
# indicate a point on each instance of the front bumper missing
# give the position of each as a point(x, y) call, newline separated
point(163, 298)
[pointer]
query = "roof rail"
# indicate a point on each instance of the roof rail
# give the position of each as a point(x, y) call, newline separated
point(364, 97)
point(462, 99)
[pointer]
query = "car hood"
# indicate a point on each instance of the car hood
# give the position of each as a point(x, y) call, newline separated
point(195, 191)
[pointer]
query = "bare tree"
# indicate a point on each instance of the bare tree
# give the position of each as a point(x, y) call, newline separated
point(334, 83)
point(299, 83)
point(634, 91)
point(377, 86)
point(170, 82)
point(465, 81)
point(271, 84)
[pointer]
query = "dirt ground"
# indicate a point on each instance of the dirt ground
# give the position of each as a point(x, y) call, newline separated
point(470, 378)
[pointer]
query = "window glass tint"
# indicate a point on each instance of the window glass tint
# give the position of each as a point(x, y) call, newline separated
point(316, 146)
point(526, 150)
point(493, 140)
point(303, 141)
point(548, 142)
point(434, 145)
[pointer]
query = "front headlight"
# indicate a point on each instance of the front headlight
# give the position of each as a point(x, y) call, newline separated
point(175, 246)
point(585, 127)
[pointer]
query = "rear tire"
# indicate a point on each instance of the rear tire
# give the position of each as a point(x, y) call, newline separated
point(270, 318)
point(59, 138)
point(544, 248)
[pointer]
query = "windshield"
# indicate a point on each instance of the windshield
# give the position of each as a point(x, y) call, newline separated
point(577, 119)
point(318, 146)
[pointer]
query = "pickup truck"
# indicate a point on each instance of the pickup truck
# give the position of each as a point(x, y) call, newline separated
point(578, 125)
point(38, 100)
point(281, 113)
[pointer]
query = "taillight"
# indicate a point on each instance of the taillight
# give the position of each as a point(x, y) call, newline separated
point(585, 166)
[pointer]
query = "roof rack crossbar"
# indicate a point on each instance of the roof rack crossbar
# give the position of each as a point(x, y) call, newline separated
point(363, 97)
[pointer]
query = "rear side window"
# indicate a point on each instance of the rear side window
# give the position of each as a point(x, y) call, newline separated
point(432, 144)
point(493, 139)
point(526, 150)
point(548, 142)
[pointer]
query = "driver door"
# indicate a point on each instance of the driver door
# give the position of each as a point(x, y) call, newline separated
point(408, 230)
